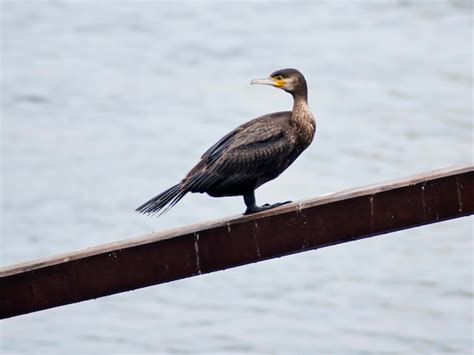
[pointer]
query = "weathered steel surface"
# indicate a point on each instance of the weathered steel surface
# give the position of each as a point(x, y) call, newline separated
point(203, 248)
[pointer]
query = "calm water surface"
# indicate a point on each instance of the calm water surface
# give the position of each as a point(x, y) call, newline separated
point(105, 105)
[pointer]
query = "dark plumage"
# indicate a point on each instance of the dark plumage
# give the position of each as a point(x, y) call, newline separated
point(252, 154)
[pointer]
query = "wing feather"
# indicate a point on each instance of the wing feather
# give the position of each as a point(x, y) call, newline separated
point(243, 155)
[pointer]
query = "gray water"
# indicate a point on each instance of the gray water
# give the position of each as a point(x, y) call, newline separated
point(105, 105)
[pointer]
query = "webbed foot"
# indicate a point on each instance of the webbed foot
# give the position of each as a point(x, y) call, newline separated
point(265, 207)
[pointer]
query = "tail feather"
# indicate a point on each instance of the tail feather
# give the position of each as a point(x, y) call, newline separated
point(163, 202)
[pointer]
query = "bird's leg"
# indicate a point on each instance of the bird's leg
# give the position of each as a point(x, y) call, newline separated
point(249, 199)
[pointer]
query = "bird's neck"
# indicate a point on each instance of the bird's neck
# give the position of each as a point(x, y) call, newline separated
point(300, 108)
point(301, 95)
point(303, 120)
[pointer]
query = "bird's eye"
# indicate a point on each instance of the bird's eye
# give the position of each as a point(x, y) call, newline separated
point(279, 77)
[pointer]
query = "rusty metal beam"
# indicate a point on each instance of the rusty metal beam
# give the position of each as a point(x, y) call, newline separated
point(198, 249)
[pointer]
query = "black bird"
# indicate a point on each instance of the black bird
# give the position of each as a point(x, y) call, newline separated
point(252, 154)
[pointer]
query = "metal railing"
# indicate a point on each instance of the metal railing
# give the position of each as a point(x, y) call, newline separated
point(207, 247)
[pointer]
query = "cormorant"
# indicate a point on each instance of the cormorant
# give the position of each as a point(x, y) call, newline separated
point(250, 155)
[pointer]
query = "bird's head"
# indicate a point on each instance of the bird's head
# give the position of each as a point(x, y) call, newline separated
point(290, 80)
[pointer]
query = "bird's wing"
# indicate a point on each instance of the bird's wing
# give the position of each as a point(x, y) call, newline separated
point(244, 154)
point(255, 151)
point(257, 130)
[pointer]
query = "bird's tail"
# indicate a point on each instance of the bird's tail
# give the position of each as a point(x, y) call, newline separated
point(163, 202)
